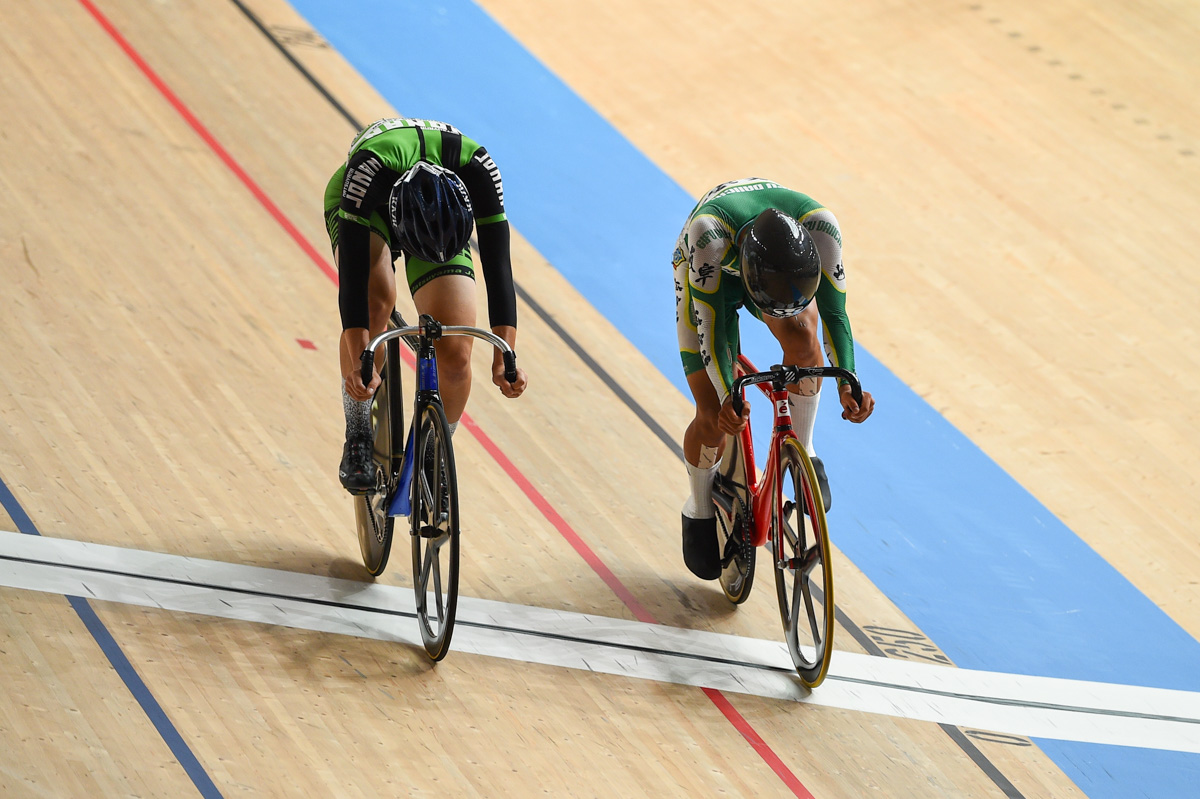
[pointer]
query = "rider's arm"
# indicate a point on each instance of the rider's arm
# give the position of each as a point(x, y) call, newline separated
point(711, 246)
point(831, 294)
point(482, 179)
point(364, 190)
point(354, 269)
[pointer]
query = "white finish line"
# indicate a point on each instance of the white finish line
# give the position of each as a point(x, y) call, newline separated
point(1038, 707)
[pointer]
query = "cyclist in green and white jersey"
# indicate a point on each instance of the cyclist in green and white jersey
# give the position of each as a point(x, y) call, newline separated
point(753, 243)
point(416, 187)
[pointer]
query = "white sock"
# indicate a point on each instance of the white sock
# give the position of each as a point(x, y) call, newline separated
point(804, 418)
point(700, 505)
point(453, 426)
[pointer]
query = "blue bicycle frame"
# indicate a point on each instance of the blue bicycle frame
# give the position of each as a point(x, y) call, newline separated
point(428, 332)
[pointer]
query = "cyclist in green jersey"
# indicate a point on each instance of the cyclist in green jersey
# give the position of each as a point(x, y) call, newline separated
point(753, 243)
point(415, 187)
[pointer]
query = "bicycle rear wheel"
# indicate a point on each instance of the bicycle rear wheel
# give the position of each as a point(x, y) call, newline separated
point(803, 569)
point(731, 496)
point(434, 530)
point(371, 517)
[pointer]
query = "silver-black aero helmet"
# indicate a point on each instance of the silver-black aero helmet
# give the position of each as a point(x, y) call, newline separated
point(781, 268)
point(430, 213)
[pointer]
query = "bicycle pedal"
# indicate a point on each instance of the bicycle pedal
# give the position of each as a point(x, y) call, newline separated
point(429, 531)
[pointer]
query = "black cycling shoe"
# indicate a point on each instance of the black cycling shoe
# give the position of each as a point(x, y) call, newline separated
point(819, 468)
point(357, 471)
point(701, 552)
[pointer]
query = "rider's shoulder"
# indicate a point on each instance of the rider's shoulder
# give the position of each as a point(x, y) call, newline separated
point(381, 133)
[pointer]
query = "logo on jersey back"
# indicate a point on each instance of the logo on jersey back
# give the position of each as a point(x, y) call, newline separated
point(358, 180)
point(485, 160)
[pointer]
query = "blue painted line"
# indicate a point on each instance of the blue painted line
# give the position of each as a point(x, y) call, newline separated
point(121, 664)
point(981, 566)
point(16, 512)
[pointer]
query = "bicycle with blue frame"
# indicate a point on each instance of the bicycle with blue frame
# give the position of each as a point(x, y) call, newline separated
point(415, 474)
point(783, 511)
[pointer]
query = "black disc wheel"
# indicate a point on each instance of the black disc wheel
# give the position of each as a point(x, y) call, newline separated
point(434, 530)
point(371, 509)
point(737, 562)
point(733, 524)
point(803, 569)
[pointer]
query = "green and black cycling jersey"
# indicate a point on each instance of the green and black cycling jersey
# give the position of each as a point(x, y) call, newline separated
point(356, 200)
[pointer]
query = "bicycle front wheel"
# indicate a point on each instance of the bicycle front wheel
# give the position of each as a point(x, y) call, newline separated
point(803, 569)
point(434, 530)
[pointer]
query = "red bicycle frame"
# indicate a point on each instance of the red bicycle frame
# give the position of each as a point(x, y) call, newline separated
point(766, 499)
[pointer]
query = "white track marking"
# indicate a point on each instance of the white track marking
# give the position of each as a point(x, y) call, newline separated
point(1039, 707)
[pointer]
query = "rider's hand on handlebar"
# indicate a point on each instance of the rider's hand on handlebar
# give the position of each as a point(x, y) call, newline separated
point(728, 422)
point(510, 390)
point(352, 343)
point(355, 387)
point(852, 410)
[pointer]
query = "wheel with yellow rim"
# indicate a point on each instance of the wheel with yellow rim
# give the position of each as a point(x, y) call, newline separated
point(803, 567)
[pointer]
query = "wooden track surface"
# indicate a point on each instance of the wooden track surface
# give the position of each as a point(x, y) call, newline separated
point(1020, 181)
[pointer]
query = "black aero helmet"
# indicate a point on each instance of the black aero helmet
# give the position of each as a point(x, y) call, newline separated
point(430, 213)
point(780, 265)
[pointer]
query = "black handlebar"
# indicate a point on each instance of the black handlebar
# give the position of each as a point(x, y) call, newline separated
point(510, 367)
point(784, 375)
point(368, 366)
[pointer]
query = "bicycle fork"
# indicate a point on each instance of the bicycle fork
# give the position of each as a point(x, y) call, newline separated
point(427, 383)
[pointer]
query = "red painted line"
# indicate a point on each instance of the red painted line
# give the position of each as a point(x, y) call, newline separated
point(211, 141)
point(759, 745)
point(306, 344)
point(540, 502)
point(560, 524)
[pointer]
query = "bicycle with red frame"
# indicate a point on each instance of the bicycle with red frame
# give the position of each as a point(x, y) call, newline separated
point(753, 512)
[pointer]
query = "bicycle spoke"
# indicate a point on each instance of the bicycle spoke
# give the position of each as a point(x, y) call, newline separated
point(423, 576)
point(803, 576)
point(809, 560)
point(426, 496)
point(437, 588)
point(811, 611)
point(435, 565)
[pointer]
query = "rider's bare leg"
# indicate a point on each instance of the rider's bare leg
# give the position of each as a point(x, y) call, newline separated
point(702, 445)
point(450, 299)
point(800, 338)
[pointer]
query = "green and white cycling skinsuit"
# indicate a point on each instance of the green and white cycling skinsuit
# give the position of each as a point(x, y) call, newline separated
point(356, 200)
point(708, 284)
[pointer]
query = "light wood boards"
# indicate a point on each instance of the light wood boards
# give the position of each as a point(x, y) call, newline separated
point(155, 395)
point(1016, 186)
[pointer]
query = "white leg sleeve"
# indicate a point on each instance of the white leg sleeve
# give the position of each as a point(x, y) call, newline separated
point(699, 505)
point(804, 418)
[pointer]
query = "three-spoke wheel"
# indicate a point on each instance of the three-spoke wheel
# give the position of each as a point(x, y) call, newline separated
point(434, 530)
point(803, 568)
